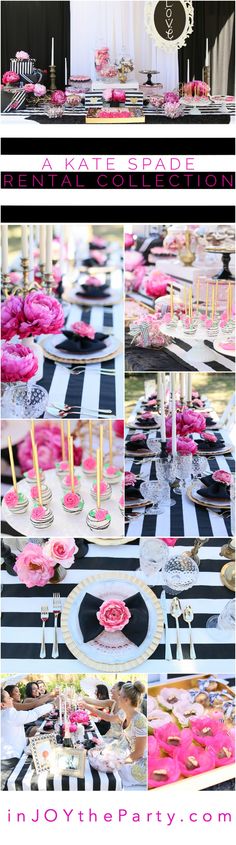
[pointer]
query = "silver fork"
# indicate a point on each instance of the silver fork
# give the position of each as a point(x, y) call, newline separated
point(44, 618)
point(90, 410)
point(56, 612)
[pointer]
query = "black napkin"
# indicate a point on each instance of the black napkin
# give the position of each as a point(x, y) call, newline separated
point(94, 291)
point(208, 446)
point(209, 421)
point(146, 423)
point(136, 445)
point(75, 343)
point(92, 262)
point(136, 629)
point(214, 489)
point(132, 491)
point(102, 246)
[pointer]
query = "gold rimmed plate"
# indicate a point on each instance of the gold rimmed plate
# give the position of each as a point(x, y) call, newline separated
point(108, 652)
point(222, 504)
point(141, 503)
point(112, 342)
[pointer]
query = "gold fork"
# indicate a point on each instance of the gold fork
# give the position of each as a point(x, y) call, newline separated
point(44, 618)
point(56, 612)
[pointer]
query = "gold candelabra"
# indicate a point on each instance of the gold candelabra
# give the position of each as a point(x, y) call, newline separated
point(48, 282)
point(25, 269)
point(206, 74)
point(52, 75)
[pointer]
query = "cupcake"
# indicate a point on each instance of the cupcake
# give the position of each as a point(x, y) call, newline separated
point(41, 516)
point(111, 473)
point(16, 502)
point(105, 490)
point(193, 760)
point(46, 494)
point(89, 465)
point(72, 502)
point(162, 770)
point(98, 519)
point(184, 712)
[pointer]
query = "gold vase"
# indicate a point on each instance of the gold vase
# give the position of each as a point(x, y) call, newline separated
point(186, 254)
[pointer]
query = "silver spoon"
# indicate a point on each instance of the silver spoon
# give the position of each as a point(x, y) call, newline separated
point(175, 610)
point(188, 617)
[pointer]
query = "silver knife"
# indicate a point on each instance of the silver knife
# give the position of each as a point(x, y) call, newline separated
point(168, 652)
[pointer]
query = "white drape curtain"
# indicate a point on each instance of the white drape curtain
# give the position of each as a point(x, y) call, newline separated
point(117, 24)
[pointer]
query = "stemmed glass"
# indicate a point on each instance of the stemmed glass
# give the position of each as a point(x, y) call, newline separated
point(225, 621)
point(199, 466)
point(157, 491)
point(154, 554)
point(167, 469)
point(183, 472)
point(154, 444)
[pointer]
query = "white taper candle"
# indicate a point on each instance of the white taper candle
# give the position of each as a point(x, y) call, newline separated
point(24, 241)
point(31, 253)
point(48, 267)
point(163, 419)
point(42, 244)
point(189, 388)
point(4, 248)
point(173, 413)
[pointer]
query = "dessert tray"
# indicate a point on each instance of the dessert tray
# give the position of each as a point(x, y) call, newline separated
point(206, 779)
point(135, 116)
point(111, 648)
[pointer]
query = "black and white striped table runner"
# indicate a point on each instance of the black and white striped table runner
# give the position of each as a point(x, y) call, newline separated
point(21, 625)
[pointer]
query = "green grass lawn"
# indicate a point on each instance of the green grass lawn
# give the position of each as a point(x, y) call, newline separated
point(217, 386)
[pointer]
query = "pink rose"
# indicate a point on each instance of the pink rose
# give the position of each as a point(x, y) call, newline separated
point(111, 470)
point(61, 550)
point(118, 428)
point(39, 90)
point(39, 512)
point(42, 314)
point(103, 487)
point(22, 55)
point(92, 280)
point(18, 363)
point(11, 499)
point(101, 514)
point(71, 500)
point(29, 87)
point(11, 316)
point(138, 437)
point(10, 77)
point(79, 717)
point(89, 463)
point(113, 615)
point(222, 476)
point(83, 329)
point(208, 435)
point(48, 442)
point(33, 569)
point(107, 95)
point(130, 478)
point(58, 98)
point(187, 422)
point(67, 480)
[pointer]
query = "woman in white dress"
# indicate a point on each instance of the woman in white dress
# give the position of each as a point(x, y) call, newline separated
point(131, 743)
point(113, 711)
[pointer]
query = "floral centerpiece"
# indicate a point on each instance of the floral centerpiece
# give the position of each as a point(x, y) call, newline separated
point(37, 565)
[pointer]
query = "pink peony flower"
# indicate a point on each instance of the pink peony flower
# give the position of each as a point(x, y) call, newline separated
point(222, 476)
point(92, 280)
point(58, 98)
point(61, 550)
point(129, 240)
point(107, 95)
point(79, 717)
point(170, 541)
point(11, 316)
point(194, 760)
point(18, 363)
point(208, 435)
point(132, 260)
point(42, 314)
point(130, 478)
point(113, 615)
point(118, 428)
point(20, 55)
point(118, 95)
point(11, 499)
point(10, 77)
point(48, 442)
point(29, 87)
point(39, 90)
point(187, 422)
point(83, 329)
point(32, 567)
point(185, 446)
point(162, 770)
point(71, 500)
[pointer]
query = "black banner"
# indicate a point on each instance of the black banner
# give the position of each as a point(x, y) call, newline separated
point(118, 214)
point(118, 146)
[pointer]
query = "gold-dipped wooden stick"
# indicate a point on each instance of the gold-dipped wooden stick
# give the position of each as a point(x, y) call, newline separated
point(13, 472)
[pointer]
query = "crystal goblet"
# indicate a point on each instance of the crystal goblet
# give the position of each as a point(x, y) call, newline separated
point(157, 492)
point(154, 554)
point(25, 401)
point(180, 573)
point(183, 472)
point(224, 621)
point(199, 466)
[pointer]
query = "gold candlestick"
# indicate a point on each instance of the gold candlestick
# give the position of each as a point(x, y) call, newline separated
point(206, 72)
point(48, 282)
point(42, 271)
point(52, 74)
point(25, 269)
point(5, 280)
